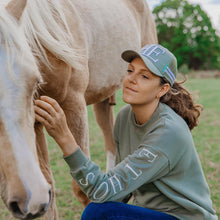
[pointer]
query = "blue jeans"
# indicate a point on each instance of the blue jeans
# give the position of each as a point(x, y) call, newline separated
point(121, 211)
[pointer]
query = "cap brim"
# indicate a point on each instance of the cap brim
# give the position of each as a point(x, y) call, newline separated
point(129, 55)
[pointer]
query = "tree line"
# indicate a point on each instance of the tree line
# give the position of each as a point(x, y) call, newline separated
point(187, 31)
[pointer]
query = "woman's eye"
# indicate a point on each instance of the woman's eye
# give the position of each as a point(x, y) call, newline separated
point(145, 77)
point(129, 71)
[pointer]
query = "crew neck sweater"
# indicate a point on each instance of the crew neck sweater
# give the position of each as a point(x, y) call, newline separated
point(156, 162)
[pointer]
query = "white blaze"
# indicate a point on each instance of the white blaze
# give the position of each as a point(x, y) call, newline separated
point(28, 169)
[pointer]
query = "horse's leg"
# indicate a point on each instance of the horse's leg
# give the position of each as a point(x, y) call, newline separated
point(105, 119)
point(75, 110)
point(43, 157)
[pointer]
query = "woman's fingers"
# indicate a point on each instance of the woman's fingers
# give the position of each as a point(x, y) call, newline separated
point(45, 106)
point(47, 109)
point(52, 102)
point(41, 119)
point(43, 114)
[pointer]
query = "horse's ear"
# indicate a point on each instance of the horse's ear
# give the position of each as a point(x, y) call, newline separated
point(16, 8)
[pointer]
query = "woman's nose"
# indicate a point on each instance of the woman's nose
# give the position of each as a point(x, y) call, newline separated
point(132, 77)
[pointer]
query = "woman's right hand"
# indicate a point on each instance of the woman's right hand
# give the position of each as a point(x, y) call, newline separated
point(51, 115)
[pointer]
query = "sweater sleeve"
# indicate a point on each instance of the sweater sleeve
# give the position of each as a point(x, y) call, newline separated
point(143, 166)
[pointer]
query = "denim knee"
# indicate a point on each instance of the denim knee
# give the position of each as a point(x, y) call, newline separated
point(92, 211)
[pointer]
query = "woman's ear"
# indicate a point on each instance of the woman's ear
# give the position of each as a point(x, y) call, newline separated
point(163, 90)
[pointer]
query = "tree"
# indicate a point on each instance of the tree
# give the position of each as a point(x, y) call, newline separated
point(186, 30)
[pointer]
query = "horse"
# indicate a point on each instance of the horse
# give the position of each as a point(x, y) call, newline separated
point(69, 50)
point(24, 188)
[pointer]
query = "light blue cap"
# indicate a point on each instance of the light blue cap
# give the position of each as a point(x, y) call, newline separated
point(157, 58)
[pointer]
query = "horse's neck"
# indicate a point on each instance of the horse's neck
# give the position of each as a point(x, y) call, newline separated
point(56, 35)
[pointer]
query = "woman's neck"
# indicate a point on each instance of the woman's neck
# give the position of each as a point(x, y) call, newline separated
point(143, 113)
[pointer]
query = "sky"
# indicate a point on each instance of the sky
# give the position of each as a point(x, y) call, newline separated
point(211, 7)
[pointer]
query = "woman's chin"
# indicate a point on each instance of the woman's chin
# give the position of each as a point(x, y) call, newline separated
point(128, 100)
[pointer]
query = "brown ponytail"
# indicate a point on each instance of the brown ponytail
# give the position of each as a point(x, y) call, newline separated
point(180, 100)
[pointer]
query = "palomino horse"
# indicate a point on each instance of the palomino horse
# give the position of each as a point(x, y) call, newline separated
point(77, 45)
point(24, 189)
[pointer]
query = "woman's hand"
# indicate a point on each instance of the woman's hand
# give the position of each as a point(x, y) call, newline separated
point(50, 114)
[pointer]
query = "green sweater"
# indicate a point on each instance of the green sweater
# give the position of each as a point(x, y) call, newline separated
point(156, 162)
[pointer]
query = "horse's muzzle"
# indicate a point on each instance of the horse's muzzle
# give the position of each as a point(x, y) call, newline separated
point(18, 213)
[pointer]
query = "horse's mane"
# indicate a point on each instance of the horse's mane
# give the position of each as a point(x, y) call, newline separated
point(45, 26)
point(13, 42)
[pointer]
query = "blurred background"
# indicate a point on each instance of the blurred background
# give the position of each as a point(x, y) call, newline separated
point(191, 30)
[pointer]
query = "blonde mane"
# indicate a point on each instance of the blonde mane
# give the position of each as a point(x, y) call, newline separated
point(45, 26)
point(13, 43)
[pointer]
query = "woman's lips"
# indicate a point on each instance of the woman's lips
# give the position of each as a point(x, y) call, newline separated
point(130, 89)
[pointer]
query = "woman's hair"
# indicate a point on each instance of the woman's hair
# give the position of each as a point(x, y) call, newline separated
point(180, 100)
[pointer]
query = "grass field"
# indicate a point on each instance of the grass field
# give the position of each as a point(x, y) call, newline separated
point(206, 138)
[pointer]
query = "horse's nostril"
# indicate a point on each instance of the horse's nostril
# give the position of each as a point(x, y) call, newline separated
point(15, 208)
point(50, 195)
point(43, 208)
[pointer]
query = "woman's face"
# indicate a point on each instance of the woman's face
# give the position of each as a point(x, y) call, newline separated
point(140, 87)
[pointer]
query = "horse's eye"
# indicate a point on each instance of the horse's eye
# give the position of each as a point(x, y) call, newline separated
point(37, 84)
point(39, 80)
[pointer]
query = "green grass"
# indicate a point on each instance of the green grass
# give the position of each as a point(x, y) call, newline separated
point(206, 138)
point(207, 134)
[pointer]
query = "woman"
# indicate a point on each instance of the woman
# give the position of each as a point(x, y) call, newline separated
point(156, 159)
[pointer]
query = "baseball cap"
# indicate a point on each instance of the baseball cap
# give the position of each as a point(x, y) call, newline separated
point(157, 58)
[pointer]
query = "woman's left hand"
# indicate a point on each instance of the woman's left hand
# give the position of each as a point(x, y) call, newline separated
point(51, 115)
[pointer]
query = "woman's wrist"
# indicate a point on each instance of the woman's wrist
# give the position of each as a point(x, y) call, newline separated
point(67, 144)
point(69, 149)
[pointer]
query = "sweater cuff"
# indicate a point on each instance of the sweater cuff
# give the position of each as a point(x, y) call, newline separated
point(76, 160)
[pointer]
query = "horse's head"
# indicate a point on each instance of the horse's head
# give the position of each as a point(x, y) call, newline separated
point(24, 189)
